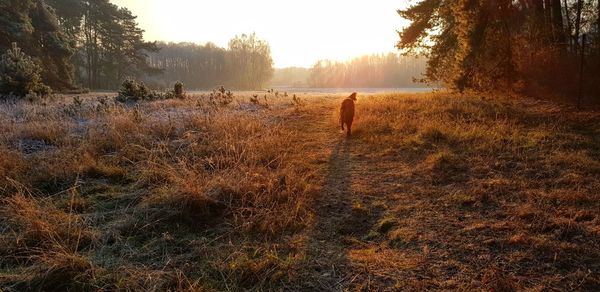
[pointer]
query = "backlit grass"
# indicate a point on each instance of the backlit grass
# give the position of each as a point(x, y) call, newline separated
point(434, 191)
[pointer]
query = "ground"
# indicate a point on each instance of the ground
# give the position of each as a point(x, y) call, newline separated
point(432, 192)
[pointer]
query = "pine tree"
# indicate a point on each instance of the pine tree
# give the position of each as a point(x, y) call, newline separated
point(494, 44)
point(19, 74)
point(34, 25)
point(111, 44)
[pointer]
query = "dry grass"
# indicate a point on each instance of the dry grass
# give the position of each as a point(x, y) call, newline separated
point(433, 192)
point(154, 196)
point(498, 194)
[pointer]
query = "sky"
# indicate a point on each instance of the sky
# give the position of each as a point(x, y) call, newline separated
point(300, 32)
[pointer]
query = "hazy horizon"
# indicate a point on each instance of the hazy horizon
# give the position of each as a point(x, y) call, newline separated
point(300, 33)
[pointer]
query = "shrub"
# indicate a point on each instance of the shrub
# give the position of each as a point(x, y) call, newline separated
point(256, 101)
point(221, 97)
point(20, 75)
point(178, 89)
point(132, 90)
point(297, 102)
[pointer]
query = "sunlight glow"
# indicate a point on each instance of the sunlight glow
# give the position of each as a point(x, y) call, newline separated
point(300, 32)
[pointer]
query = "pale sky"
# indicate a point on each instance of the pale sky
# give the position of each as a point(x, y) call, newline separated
point(300, 32)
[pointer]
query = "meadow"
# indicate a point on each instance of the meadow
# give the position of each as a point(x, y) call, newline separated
point(435, 191)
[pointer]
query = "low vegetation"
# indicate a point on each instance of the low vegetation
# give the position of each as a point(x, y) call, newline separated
point(133, 90)
point(153, 195)
point(473, 192)
point(433, 192)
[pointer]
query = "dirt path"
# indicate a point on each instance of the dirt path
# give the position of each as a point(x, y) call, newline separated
point(347, 208)
point(364, 198)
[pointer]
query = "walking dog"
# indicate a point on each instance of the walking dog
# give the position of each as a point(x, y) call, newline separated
point(347, 113)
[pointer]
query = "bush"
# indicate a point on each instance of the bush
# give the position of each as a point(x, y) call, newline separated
point(132, 90)
point(178, 89)
point(20, 75)
point(297, 101)
point(221, 97)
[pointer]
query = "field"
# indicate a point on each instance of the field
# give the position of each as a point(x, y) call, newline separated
point(434, 191)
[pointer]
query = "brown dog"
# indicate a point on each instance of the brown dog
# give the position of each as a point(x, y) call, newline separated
point(347, 113)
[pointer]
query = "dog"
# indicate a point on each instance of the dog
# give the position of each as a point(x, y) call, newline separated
point(347, 113)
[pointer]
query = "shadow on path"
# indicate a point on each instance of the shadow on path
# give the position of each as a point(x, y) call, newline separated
point(327, 270)
point(344, 211)
point(338, 180)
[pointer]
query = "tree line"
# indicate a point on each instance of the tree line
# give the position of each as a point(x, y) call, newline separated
point(290, 77)
point(378, 70)
point(245, 64)
point(524, 45)
point(96, 44)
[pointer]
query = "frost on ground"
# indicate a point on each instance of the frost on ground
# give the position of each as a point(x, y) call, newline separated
point(433, 191)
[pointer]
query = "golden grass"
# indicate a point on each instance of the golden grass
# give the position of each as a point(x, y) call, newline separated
point(434, 191)
point(510, 188)
point(132, 190)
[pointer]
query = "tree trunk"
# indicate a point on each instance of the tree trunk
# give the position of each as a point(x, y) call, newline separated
point(578, 23)
point(598, 17)
point(548, 10)
point(598, 32)
point(88, 48)
point(542, 13)
point(538, 7)
point(569, 25)
point(95, 55)
point(557, 22)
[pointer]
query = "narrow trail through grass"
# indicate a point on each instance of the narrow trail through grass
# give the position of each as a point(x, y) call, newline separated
point(346, 209)
point(326, 254)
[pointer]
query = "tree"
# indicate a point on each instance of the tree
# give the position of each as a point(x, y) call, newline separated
point(54, 47)
point(290, 77)
point(558, 28)
point(578, 22)
point(496, 44)
point(34, 26)
point(197, 66)
point(125, 52)
point(385, 70)
point(19, 74)
point(249, 61)
point(110, 44)
point(69, 14)
point(246, 64)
